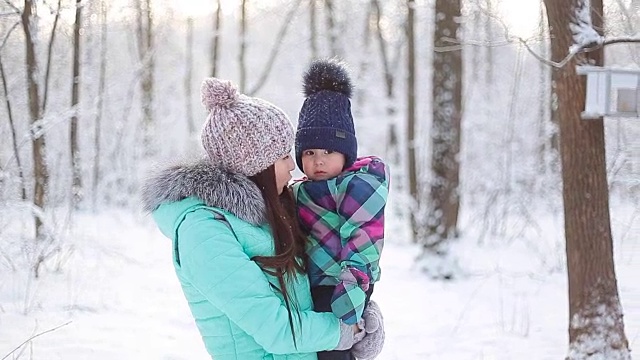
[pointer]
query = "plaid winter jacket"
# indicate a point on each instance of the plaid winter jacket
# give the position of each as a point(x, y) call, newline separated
point(344, 220)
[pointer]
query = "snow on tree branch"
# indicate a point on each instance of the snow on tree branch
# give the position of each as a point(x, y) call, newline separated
point(12, 6)
point(586, 38)
point(584, 35)
point(33, 337)
point(6, 36)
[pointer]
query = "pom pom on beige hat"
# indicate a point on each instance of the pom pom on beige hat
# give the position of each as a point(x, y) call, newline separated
point(242, 134)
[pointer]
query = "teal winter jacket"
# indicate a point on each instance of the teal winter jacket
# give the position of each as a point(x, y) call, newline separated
point(215, 221)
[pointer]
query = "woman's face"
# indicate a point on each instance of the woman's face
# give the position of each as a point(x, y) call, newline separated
point(284, 166)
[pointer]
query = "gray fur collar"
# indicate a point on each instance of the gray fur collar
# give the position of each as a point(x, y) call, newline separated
point(214, 186)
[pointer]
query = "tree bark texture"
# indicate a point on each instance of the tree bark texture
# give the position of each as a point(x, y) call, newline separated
point(76, 186)
point(545, 103)
point(596, 328)
point(12, 127)
point(275, 49)
point(243, 46)
point(411, 117)
point(188, 78)
point(313, 29)
point(215, 40)
point(392, 150)
point(332, 27)
point(52, 38)
point(488, 33)
point(40, 172)
point(444, 199)
point(147, 61)
point(102, 75)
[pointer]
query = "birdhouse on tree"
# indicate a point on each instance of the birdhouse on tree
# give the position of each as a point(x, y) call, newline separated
point(611, 92)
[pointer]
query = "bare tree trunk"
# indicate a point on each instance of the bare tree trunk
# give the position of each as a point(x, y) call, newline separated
point(243, 46)
point(476, 21)
point(332, 29)
point(12, 127)
point(544, 110)
point(14, 141)
point(444, 198)
point(411, 117)
point(366, 60)
point(488, 32)
point(392, 145)
point(554, 137)
point(596, 327)
point(313, 29)
point(508, 152)
point(76, 187)
point(215, 40)
point(40, 172)
point(52, 39)
point(147, 62)
point(262, 79)
point(188, 78)
point(100, 105)
point(631, 14)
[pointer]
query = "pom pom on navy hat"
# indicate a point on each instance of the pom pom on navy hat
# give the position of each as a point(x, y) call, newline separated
point(327, 74)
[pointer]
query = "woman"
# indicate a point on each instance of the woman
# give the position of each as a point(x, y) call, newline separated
point(237, 250)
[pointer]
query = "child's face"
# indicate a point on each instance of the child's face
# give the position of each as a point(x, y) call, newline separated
point(283, 167)
point(322, 164)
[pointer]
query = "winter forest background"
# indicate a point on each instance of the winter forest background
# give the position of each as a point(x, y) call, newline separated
point(464, 98)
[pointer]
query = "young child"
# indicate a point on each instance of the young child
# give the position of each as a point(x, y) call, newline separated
point(341, 200)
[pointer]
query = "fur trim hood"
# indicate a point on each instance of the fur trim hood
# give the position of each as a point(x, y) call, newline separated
point(216, 187)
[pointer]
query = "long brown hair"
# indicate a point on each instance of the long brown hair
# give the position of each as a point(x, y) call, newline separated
point(289, 242)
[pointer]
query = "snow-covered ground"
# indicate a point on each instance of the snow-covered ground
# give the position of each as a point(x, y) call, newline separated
point(118, 296)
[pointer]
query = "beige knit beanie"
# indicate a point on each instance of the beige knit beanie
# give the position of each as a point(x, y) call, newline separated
point(242, 134)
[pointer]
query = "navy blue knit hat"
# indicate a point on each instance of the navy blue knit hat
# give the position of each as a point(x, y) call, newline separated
point(325, 120)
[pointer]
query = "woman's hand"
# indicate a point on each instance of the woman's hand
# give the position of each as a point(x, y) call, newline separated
point(359, 331)
point(350, 334)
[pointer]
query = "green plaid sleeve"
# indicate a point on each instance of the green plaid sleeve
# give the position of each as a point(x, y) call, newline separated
point(362, 203)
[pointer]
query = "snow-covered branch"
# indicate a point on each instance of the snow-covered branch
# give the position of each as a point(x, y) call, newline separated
point(576, 49)
point(41, 127)
point(6, 36)
point(621, 39)
point(586, 41)
point(586, 47)
point(585, 36)
point(15, 8)
point(33, 337)
point(582, 28)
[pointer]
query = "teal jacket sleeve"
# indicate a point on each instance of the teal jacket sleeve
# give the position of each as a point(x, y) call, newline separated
point(214, 262)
